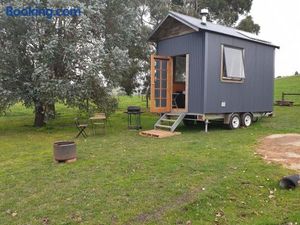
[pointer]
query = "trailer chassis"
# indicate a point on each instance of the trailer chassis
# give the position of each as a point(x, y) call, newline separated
point(234, 120)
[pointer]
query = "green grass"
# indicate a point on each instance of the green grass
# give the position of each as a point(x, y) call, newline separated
point(122, 178)
point(289, 85)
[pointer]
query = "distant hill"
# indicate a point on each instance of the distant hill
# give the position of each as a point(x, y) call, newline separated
point(287, 84)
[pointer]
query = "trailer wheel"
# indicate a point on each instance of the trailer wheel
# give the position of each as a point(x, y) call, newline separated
point(235, 121)
point(246, 119)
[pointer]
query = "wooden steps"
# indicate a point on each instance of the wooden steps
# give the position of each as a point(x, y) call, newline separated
point(169, 121)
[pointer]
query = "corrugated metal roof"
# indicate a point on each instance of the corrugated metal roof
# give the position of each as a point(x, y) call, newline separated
point(196, 24)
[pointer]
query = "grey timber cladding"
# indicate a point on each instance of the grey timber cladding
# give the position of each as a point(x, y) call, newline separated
point(206, 92)
point(255, 94)
point(192, 44)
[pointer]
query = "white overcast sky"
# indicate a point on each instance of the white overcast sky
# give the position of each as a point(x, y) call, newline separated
point(280, 24)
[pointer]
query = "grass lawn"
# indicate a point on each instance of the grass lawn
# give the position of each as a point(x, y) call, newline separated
point(122, 178)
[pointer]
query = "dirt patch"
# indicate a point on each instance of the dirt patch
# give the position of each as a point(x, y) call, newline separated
point(281, 148)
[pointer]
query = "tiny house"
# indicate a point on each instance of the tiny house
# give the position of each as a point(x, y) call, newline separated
point(203, 71)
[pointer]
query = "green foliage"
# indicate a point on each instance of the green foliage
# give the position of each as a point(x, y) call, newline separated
point(44, 61)
point(248, 25)
point(225, 12)
point(125, 42)
point(289, 84)
point(108, 105)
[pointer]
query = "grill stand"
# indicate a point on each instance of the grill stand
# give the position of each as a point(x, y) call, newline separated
point(134, 117)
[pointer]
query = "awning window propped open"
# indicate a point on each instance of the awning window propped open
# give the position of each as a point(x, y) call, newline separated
point(233, 61)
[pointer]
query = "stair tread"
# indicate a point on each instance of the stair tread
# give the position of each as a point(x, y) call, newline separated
point(165, 126)
point(168, 120)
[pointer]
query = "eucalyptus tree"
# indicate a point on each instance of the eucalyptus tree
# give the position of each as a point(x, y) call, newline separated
point(125, 33)
point(226, 12)
point(45, 60)
point(247, 24)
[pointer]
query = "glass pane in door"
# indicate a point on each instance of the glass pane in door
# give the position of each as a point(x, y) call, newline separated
point(160, 82)
point(164, 93)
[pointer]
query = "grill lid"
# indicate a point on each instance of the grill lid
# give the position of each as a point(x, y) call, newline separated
point(133, 109)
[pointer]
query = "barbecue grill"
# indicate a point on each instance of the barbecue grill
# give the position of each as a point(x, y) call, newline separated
point(134, 117)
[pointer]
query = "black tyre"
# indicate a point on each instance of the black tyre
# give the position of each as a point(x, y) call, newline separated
point(246, 119)
point(235, 121)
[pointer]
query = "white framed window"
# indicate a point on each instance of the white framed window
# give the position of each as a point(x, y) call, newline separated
point(232, 63)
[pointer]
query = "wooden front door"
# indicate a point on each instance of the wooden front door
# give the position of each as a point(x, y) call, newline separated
point(161, 84)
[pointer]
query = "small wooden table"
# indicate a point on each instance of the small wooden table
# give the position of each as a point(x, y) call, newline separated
point(98, 120)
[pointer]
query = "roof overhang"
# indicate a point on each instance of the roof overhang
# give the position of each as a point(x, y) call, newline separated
point(171, 26)
point(176, 24)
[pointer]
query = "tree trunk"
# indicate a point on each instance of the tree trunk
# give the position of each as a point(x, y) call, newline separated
point(50, 110)
point(39, 119)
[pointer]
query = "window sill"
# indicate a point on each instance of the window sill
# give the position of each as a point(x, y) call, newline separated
point(230, 80)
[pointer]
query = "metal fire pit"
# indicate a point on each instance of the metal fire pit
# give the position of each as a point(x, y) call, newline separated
point(64, 151)
point(134, 117)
